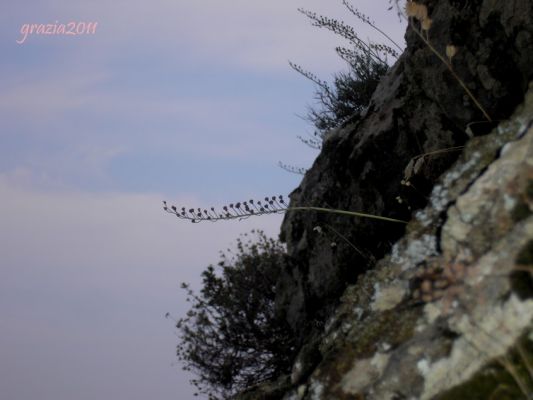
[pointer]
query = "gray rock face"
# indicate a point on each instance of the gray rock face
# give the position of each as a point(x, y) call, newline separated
point(418, 108)
point(446, 312)
point(440, 308)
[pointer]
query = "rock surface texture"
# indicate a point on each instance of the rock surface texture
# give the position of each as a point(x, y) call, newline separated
point(440, 308)
point(454, 295)
point(418, 108)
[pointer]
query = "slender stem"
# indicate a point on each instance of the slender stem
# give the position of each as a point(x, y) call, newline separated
point(525, 358)
point(432, 153)
point(450, 68)
point(510, 368)
point(347, 241)
point(343, 212)
point(366, 47)
point(384, 34)
point(272, 205)
point(367, 21)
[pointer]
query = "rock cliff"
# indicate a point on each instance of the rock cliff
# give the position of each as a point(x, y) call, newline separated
point(439, 308)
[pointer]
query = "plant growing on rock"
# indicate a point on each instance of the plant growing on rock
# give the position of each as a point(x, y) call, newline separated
point(418, 12)
point(231, 337)
point(246, 209)
point(351, 91)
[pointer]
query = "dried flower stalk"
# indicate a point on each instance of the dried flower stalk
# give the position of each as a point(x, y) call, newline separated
point(246, 209)
point(419, 12)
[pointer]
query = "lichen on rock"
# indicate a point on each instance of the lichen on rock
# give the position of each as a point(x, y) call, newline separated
point(434, 347)
point(447, 308)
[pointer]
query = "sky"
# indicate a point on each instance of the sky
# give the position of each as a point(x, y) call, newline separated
point(189, 102)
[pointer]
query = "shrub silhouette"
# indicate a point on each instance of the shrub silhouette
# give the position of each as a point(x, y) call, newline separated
point(351, 91)
point(231, 337)
point(345, 99)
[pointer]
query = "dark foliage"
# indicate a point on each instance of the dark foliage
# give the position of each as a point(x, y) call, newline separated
point(346, 99)
point(350, 92)
point(231, 338)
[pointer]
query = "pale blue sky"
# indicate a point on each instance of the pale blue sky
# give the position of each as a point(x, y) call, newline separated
point(192, 102)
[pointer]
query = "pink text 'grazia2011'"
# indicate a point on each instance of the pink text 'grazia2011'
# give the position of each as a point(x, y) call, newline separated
point(68, 29)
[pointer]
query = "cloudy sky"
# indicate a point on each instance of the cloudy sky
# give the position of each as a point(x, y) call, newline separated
point(188, 101)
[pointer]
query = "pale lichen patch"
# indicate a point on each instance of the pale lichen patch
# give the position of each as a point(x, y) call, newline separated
point(301, 391)
point(483, 338)
point(423, 366)
point(363, 373)
point(419, 250)
point(316, 389)
point(389, 296)
point(431, 312)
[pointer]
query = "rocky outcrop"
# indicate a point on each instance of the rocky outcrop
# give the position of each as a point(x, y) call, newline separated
point(448, 313)
point(418, 108)
point(439, 308)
